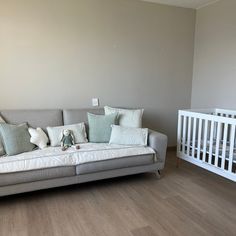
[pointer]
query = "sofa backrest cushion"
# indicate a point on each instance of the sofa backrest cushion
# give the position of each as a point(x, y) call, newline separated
point(74, 116)
point(34, 118)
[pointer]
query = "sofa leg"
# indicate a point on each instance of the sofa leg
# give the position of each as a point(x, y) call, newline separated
point(158, 174)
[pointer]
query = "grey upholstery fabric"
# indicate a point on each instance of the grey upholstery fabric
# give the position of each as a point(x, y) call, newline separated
point(34, 118)
point(74, 116)
point(51, 183)
point(117, 163)
point(37, 185)
point(158, 142)
point(36, 175)
point(118, 172)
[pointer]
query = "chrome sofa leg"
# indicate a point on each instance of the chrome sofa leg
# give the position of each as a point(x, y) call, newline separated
point(158, 174)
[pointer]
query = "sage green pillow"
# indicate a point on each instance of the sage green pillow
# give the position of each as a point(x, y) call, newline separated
point(2, 151)
point(16, 139)
point(100, 127)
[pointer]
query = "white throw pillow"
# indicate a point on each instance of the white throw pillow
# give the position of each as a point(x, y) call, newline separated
point(2, 151)
point(38, 137)
point(127, 117)
point(78, 130)
point(129, 136)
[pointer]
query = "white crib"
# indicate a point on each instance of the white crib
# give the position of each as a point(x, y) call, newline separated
point(207, 139)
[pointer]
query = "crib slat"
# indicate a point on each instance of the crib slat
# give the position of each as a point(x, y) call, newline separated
point(224, 146)
point(194, 136)
point(215, 130)
point(211, 142)
point(231, 149)
point(199, 139)
point(184, 135)
point(205, 140)
point(218, 136)
point(179, 133)
point(189, 133)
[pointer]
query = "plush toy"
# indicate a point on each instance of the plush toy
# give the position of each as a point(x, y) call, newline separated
point(67, 140)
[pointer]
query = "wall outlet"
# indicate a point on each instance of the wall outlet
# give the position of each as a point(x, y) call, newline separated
point(95, 102)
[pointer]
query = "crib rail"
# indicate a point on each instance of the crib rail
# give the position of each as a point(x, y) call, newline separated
point(207, 138)
point(225, 113)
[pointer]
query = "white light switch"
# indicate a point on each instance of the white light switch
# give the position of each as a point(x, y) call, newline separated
point(95, 102)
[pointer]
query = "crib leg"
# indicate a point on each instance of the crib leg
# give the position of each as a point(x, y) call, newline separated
point(178, 162)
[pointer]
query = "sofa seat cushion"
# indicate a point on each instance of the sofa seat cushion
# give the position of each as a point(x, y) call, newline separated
point(54, 157)
point(36, 175)
point(35, 160)
point(117, 163)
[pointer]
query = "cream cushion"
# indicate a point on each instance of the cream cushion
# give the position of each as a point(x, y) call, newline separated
point(127, 117)
point(128, 136)
point(38, 137)
point(79, 133)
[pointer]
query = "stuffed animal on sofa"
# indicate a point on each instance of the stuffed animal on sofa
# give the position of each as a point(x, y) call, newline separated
point(67, 140)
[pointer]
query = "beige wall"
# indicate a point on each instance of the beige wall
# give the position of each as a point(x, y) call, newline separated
point(60, 54)
point(214, 77)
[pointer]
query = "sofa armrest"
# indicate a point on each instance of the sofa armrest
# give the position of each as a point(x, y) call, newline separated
point(158, 142)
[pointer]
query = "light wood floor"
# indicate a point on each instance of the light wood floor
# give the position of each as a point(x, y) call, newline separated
point(186, 201)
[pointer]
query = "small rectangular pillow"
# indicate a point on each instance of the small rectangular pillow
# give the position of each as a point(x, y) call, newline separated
point(16, 139)
point(78, 130)
point(100, 127)
point(127, 117)
point(128, 136)
point(2, 151)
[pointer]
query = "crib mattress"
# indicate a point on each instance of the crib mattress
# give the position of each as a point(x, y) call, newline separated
point(214, 149)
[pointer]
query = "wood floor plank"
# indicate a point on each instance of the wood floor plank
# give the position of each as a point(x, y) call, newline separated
point(144, 231)
point(185, 201)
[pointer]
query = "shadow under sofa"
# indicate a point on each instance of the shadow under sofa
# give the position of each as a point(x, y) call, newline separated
point(25, 181)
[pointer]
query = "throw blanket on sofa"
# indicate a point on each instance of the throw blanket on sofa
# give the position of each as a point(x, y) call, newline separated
point(54, 157)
